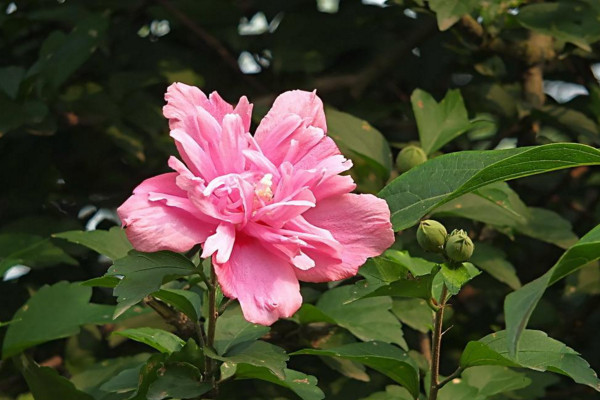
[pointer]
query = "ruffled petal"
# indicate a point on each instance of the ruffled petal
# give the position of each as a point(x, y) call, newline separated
point(361, 223)
point(158, 217)
point(264, 284)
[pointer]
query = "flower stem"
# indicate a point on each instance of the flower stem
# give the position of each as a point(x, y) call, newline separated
point(213, 313)
point(436, 346)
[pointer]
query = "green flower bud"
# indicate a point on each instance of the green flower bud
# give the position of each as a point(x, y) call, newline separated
point(459, 246)
point(409, 157)
point(431, 236)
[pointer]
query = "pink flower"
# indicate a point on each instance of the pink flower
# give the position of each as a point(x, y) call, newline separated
point(271, 209)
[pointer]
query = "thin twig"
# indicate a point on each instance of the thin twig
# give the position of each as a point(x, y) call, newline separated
point(213, 313)
point(436, 346)
point(450, 377)
point(211, 42)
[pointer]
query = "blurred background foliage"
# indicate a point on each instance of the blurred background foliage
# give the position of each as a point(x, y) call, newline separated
point(81, 91)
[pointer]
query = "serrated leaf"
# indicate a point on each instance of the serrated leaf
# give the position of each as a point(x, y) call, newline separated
point(161, 340)
point(305, 386)
point(439, 123)
point(179, 381)
point(536, 351)
point(367, 319)
point(357, 138)
point(144, 273)
point(111, 243)
point(418, 191)
point(54, 312)
point(46, 384)
point(233, 329)
point(519, 305)
point(455, 276)
point(185, 301)
point(382, 357)
point(257, 353)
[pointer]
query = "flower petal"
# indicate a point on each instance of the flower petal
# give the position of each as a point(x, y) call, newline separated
point(361, 223)
point(157, 217)
point(264, 284)
point(221, 242)
point(306, 105)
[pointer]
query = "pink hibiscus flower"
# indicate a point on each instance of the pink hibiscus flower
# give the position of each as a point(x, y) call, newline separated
point(271, 209)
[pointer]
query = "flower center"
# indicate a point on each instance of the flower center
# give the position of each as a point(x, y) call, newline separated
point(263, 188)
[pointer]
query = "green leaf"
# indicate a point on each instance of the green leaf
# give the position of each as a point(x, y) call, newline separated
point(367, 319)
point(382, 357)
point(95, 376)
point(305, 386)
point(493, 261)
point(102, 281)
point(490, 380)
point(10, 80)
point(186, 301)
point(497, 204)
point(441, 122)
point(233, 329)
point(415, 313)
point(573, 21)
point(455, 276)
point(30, 250)
point(61, 55)
point(448, 12)
point(161, 340)
point(38, 320)
point(519, 305)
point(418, 288)
point(46, 384)
point(257, 353)
point(180, 381)
point(123, 382)
point(392, 392)
point(418, 191)
point(358, 139)
point(144, 273)
point(536, 351)
point(112, 243)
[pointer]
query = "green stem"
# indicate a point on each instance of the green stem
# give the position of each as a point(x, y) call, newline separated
point(213, 313)
point(436, 346)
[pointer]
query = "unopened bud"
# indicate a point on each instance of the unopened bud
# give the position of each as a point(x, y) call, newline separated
point(459, 246)
point(410, 157)
point(431, 236)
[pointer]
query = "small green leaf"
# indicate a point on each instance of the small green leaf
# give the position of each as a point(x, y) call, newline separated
point(439, 123)
point(305, 386)
point(161, 340)
point(416, 192)
point(233, 329)
point(455, 276)
point(112, 243)
point(38, 320)
point(382, 357)
point(186, 301)
point(448, 12)
point(144, 273)
point(536, 351)
point(519, 305)
point(415, 313)
point(418, 288)
point(490, 380)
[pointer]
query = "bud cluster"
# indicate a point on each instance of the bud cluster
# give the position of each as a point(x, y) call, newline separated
point(433, 236)
point(410, 157)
